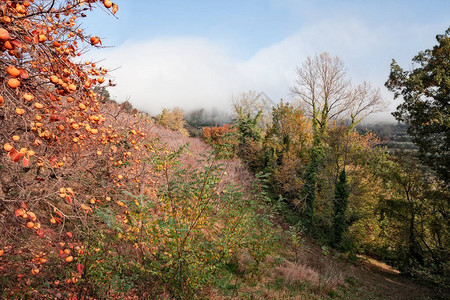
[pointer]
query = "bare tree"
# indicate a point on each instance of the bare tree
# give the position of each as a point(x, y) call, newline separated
point(251, 103)
point(327, 94)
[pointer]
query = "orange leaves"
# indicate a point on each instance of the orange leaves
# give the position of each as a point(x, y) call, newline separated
point(115, 8)
point(15, 155)
point(19, 212)
point(26, 162)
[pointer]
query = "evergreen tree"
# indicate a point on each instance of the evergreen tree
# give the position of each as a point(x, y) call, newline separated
point(340, 205)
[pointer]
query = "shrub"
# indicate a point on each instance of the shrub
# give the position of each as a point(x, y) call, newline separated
point(224, 140)
point(173, 119)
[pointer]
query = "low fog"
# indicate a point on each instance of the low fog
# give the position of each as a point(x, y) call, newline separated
point(195, 73)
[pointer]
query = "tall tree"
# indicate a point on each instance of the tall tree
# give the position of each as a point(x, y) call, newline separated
point(340, 205)
point(327, 94)
point(425, 109)
point(416, 206)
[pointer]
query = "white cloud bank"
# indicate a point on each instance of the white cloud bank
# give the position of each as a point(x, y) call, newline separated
point(192, 72)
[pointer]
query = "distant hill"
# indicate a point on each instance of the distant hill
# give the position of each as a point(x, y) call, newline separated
point(393, 136)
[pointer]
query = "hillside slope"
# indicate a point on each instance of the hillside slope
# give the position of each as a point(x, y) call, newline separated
point(300, 268)
point(149, 213)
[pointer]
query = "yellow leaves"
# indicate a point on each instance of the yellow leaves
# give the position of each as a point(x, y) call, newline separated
point(86, 208)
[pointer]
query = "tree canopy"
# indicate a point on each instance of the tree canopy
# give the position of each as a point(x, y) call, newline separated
point(425, 108)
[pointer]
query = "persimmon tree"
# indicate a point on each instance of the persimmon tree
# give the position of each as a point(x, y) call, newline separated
point(51, 121)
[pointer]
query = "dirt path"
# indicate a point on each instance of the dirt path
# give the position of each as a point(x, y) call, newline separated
point(376, 280)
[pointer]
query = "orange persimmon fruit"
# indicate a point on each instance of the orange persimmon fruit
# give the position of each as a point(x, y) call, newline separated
point(4, 35)
point(13, 83)
point(8, 147)
point(13, 71)
point(107, 3)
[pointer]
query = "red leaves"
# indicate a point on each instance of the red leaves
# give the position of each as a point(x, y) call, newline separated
point(16, 43)
point(15, 155)
point(23, 73)
point(26, 162)
point(69, 199)
point(80, 268)
point(40, 233)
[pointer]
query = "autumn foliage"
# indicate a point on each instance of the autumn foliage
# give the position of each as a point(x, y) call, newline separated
point(224, 139)
point(92, 203)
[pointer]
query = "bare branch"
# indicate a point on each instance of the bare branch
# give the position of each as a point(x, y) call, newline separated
point(326, 93)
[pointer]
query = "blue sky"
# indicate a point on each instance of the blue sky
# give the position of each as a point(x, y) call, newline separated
point(201, 53)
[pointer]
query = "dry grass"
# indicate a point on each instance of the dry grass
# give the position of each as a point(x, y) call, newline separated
point(312, 267)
